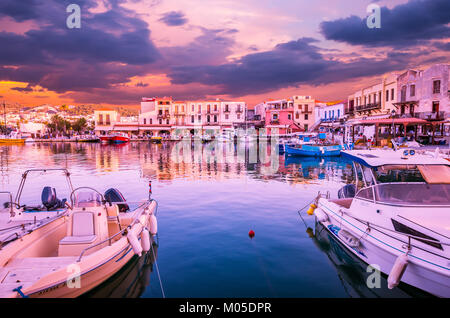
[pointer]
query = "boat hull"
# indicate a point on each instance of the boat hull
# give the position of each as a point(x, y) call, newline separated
point(313, 151)
point(375, 248)
point(12, 141)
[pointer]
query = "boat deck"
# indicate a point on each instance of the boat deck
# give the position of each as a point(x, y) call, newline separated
point(26, 271)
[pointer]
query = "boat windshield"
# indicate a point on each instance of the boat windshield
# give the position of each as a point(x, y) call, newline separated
point(412, 194)
point(86, 199)
point(433, 174)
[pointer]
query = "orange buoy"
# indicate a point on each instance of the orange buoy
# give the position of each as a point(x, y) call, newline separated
point(251, 234)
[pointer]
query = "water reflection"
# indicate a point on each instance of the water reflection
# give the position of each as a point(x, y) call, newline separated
point(353, 272)
point(131, 281)
point(207, 208)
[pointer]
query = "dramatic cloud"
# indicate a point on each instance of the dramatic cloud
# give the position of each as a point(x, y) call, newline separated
point(288, 64)
point(109, 48)
point(404, 25)
point(174, 18)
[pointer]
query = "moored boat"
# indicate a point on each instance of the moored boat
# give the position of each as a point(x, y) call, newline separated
point(395, 215)
point(313, 150)
point(18, 219)
point(119, 138)
point(79, 251)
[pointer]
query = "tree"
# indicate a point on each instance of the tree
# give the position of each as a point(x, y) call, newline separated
point(79, 125)
point(58, 124)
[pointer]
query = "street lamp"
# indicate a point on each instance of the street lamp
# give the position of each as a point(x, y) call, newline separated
point(393, 126)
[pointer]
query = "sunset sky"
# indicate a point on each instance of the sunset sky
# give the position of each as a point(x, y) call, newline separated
point(247, 50)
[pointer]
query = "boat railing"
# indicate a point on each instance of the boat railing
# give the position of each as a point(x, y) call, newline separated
point(121, 232)
point(11, 208)
point(408, 236)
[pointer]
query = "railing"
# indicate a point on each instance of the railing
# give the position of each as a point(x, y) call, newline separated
point(307, 111)
point(274, 122)
point(10, 201)
point(371, 106)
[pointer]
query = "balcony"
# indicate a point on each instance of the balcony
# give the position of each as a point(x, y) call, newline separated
point(275, 122)
point(163, 116)
point(307, 111)
point(239, 110)
point(227, 110)
point(349, 111)
point(368, 107)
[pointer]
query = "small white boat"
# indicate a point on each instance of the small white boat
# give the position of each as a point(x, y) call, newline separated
point(77, 252)
point(18, 219)
point(395, 215)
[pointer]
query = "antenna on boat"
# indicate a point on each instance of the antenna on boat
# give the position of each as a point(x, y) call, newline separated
point(149, 190)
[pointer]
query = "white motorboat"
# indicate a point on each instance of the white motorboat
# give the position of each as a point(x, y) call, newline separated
point(79, 251)
point(18, 219)
point(396, 216)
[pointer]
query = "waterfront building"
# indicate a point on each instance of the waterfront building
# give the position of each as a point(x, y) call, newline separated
point(411, 105)
point(304, 114)
point(279, 115)
point(424, 93)
point(330, 112)
point(105, 119)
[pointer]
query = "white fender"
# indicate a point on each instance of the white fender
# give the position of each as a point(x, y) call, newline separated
point(145, 240)
point(132, 238)
point(395, 276)
point(321, 216)
point(153, 225)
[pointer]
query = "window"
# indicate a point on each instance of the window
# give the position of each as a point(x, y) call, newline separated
point(306, 127)
point(108, 119)
point(289, 117)
point(306, 116)
point(151, 121)
point(392, 94)
point(275, 116)
point(435, 107)
point(167, 121)
point(145, 121)
point(436, 87)
point(199, 109)
point(297, 115)
point(338, 113)
point(227, 116)
point(192, 119)
point(215, 118)
point(208, 118)
point(366, 194)
point(215, 107)
point(387, 95)
point(100, 119)
point(193, 108)
point(160, 121)
point(238, 116)
point(199, 117)
point(403, 94)
point(412, 90)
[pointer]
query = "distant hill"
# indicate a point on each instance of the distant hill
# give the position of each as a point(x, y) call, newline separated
point(79, 110)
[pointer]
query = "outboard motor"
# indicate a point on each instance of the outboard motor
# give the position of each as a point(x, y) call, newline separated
point(348, 191)
point(50, 200)
point(114, 195)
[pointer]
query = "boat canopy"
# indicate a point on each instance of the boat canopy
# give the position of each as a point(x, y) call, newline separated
point(435, 174)
point(377, 158)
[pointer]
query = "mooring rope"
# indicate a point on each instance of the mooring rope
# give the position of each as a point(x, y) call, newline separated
point(157, 272)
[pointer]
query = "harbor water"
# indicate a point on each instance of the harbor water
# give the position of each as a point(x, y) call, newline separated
point(206, 209)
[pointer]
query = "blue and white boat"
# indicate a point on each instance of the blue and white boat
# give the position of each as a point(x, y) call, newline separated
point(395, 216)
point(313, 150)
